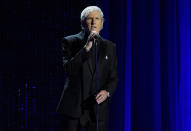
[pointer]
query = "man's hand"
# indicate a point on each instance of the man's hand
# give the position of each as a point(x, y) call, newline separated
point(88, 45)
point(101, 96)
point(90, 40)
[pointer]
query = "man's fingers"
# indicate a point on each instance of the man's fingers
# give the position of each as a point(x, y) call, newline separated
point(100, 99)
point(101, 96)
point(91, 36)
point(98, 96)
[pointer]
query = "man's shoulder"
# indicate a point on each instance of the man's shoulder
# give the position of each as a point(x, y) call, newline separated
point(109, 43)
point(72, 38)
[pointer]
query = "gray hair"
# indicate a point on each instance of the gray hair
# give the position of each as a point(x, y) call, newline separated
point(89, 9)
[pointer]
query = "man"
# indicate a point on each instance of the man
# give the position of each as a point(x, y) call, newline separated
point(90, 63)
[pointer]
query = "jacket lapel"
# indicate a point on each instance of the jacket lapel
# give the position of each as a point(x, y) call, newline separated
point(101, 50)
point(90, 66)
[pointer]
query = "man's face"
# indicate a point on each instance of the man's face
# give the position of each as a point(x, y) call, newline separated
point(93, 22)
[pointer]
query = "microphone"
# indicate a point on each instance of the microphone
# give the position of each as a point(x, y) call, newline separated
point(94, 34)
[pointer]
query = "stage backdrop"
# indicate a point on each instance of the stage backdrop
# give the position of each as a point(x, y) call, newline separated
point(153, 39)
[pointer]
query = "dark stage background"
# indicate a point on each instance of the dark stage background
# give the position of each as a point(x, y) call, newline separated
point(153, 39)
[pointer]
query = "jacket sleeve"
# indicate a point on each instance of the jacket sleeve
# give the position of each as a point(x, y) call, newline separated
point(112, 81)
point(72, 58)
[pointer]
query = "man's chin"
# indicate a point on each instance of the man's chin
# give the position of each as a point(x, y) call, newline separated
point(95, 31)
point(90, 30)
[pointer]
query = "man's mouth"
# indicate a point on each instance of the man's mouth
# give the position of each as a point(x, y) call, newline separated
point(93, 27)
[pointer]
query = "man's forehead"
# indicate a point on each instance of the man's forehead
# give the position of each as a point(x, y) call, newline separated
point(94, 13)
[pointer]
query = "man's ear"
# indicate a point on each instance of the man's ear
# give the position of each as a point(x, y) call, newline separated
point(102, 23)
point(103, 20)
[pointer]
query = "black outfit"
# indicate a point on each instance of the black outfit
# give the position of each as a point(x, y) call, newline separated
point(77, 103)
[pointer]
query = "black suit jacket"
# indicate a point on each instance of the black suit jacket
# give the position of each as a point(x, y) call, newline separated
point(81, 77)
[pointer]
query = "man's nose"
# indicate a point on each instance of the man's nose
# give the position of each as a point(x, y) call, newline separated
point(93, 22)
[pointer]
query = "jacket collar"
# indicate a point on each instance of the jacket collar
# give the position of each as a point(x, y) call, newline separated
point(84, 36)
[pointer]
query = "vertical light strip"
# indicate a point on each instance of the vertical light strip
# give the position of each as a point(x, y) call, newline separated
point(188, 66)
point(156, 85)
point(127, 95)
point(185, 71)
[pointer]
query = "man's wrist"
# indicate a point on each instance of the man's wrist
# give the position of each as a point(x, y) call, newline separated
point(108, 94)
